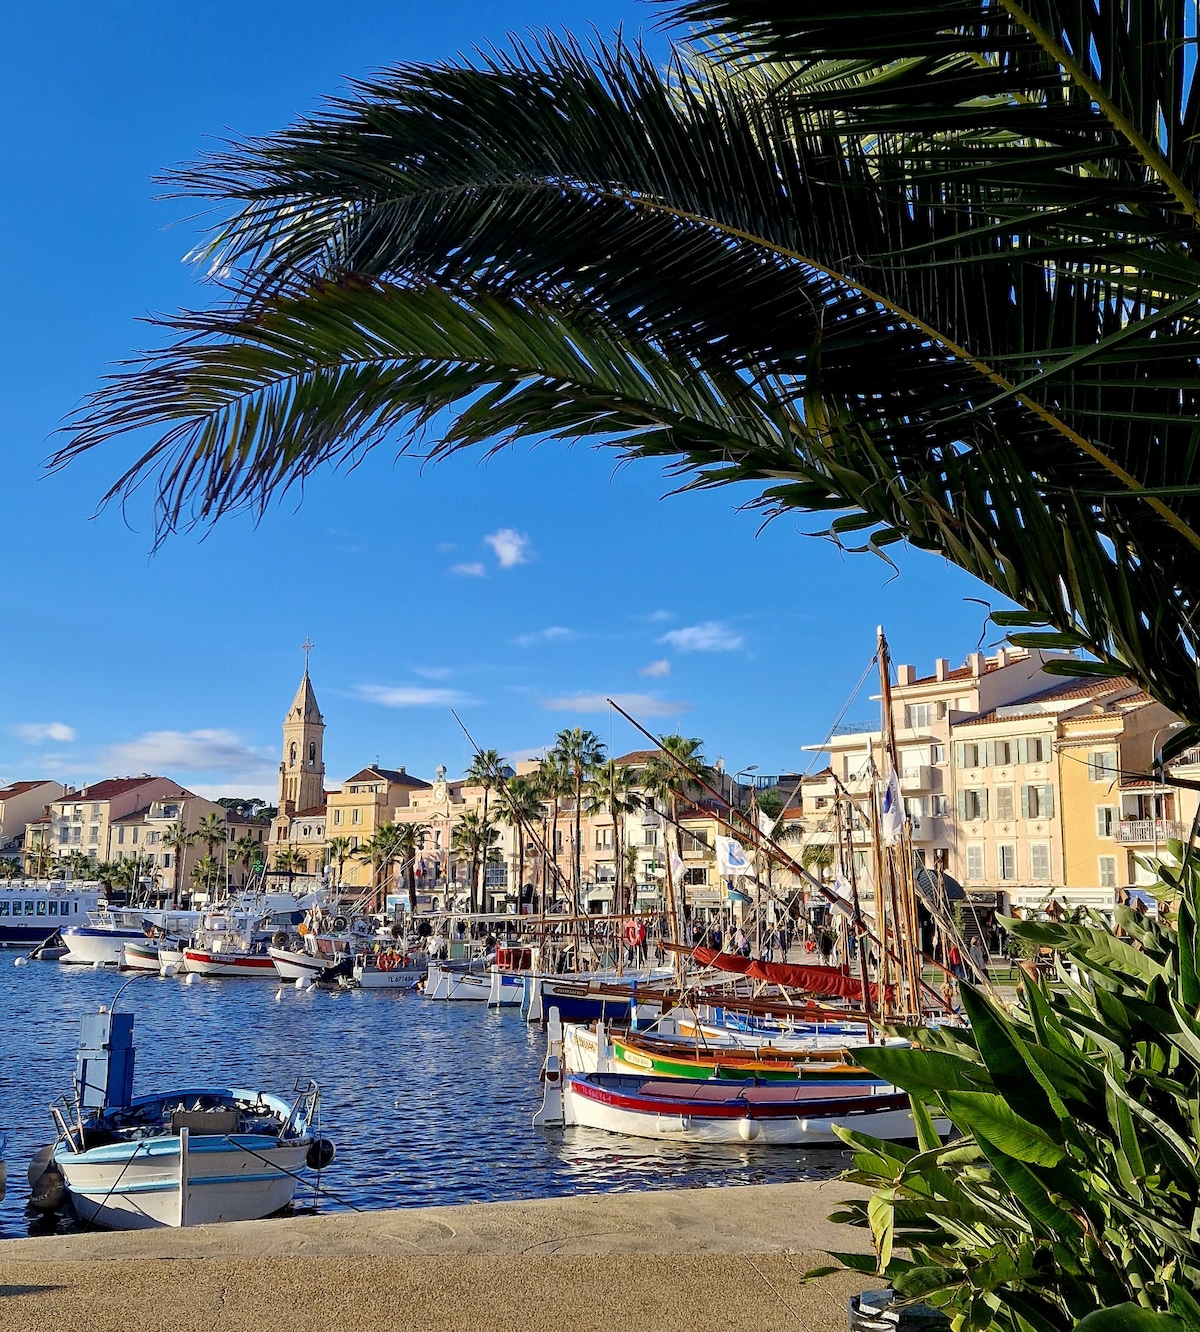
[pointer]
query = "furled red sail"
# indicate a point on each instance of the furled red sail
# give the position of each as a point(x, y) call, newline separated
point(796, 976)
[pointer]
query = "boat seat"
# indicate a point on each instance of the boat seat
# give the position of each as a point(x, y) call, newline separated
point(813, 1091)
point(205, 1121)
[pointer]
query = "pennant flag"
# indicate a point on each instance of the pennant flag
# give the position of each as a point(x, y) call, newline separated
point(892, 812)
point(766, 824)
point(731, 858)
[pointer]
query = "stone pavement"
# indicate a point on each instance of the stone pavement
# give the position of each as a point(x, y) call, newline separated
point(728, 1258)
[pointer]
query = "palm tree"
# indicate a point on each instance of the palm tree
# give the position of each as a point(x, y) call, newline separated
point(212, 831)
point(918, 269)
point(410, 841)
point(474, 839)
point(610, 788)
point(339, 850)
point(379, 852)
point(485, 770)
point(82, 864)
point(552, 782)
point(523, 808)
point(206, 872)
point(674, 775)
point(40, 859)
point(245, 851)
point(577, 751)
point(177, 838)
point(9, 869)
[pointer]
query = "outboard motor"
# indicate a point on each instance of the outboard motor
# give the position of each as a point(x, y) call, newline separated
point(104, 1069)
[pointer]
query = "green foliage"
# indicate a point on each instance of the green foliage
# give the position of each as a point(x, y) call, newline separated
point(1068, 1191)
point(925, 270)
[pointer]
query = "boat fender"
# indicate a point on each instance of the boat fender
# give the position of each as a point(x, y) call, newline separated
point(321, 1155)
point(47, 1188)
point(748, 1129)
point(387, 961)
point(279, 939)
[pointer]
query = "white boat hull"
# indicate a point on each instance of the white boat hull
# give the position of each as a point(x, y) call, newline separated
point(293, 966)
point(138, 957)
point(798, 1132)
point(371, 978)
point(252, 966)
point(86, 946)
point(112, 1186)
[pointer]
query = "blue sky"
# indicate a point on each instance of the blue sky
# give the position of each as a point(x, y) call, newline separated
point(521, 590)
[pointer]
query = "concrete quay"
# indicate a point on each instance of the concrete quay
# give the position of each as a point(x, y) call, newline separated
point(678, 1261)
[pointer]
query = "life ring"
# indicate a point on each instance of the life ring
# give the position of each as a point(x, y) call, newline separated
point(387, 961)
point(631, 933)
point(339, 923)
point(810, 946)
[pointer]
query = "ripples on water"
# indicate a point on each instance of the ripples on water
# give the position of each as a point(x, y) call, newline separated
point(427, 1102)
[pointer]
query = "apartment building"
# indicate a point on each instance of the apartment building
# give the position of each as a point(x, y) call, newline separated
point(20, 804)
point(84, 820)
point(925, 712)
point(373, 796)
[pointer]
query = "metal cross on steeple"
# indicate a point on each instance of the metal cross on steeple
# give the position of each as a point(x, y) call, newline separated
point(306, 647)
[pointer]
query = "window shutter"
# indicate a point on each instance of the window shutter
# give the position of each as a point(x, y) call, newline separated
point(962, 804)
point(1047, 810)
point(960, 754)
point(1101, 822)
point(983, 803)
point(1025, 802)
point(1022, 749)
point(1093, 776)
point(989, 754)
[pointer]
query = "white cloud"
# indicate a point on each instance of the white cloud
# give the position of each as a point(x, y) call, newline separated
point(658, 669)
point(36, 733)
point(411, 696)
point(644, 705)
point(556, 633)
point(433, 672)
point(471, 570)
point(711, 636)
point(510, 547)
point(208, 750)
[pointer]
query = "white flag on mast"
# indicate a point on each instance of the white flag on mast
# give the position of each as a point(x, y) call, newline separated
point(892, 811)
point(731, 858)
point(766, 824)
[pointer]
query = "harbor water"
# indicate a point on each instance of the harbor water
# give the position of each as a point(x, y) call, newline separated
point(428, 1102)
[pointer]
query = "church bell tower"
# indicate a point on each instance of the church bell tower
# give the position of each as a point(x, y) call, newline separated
point(302, 771)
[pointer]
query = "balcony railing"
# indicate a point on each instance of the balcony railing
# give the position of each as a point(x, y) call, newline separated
point(1149, 831)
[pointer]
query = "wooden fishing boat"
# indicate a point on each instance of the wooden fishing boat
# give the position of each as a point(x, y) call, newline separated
point(668, 1057)
point(781, 1114)
point(229, 962)
point(390, 970)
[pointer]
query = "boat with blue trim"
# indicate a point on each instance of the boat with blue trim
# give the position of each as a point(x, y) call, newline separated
point(178, 1158)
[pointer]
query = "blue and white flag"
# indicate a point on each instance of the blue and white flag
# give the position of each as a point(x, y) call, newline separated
point(892, 812)
point(731, 858)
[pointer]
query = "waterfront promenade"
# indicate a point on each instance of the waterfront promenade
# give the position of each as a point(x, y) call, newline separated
point(728, 1258)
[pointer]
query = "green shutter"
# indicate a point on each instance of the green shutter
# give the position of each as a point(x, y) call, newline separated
point(1025, 802)
point(1047, 802)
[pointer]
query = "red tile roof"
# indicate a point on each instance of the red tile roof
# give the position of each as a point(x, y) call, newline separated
point(636, 756)
point(315, 812)
point(392, 775)
point(1070, 691)
point(108, 790)
point(19, 788)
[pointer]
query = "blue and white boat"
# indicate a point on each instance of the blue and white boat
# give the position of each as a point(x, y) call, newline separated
point(178, 1158)
point(31, 912)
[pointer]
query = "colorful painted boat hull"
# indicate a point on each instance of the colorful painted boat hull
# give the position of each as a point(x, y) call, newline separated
point(779, 1114)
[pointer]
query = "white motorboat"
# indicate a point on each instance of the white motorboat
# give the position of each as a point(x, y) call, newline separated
point(103, 935)
point(390, 970)
point(496, 988)
point(179, 1158)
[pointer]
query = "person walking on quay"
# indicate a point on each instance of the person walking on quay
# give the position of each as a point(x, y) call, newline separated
point(979, 958)
point(955, 959)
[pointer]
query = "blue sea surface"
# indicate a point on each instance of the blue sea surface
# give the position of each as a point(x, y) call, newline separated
point(427, 1102)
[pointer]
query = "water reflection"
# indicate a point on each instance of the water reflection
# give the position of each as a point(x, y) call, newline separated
point(427, 1102)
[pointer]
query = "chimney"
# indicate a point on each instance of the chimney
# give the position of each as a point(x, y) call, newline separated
point(975, 662)
point(1002, 657)
point(402, 770)
point(905, 674)
point(941, 667)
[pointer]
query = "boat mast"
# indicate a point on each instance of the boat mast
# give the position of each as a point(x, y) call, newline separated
point(848, 873)
point(901, 888)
